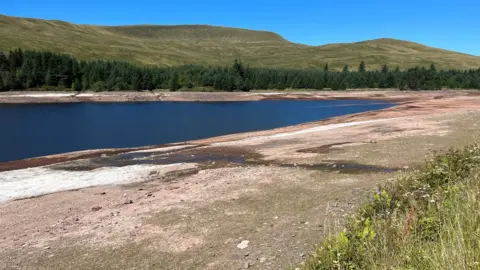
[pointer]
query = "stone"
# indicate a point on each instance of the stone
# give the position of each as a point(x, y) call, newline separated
point(263, 259)
point(246, 265)
point(128, 202)
point(243, 244)
point(96, 208)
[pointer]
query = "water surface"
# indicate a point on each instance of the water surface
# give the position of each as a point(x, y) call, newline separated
point(30, 130)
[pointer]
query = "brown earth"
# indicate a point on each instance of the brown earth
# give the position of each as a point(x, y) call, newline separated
point(281, 190)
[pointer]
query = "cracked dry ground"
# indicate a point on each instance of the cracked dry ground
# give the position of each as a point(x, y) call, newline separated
point(285, 195)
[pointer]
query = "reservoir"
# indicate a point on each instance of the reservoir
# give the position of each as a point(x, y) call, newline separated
point(32, 130)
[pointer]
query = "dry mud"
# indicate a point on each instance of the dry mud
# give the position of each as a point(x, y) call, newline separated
point(259, 200)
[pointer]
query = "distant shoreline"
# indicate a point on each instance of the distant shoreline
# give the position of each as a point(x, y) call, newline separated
point(27, 97)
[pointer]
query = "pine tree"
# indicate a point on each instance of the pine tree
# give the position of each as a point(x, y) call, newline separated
point(4, 64)
point(326, 67)
point(432, 68)
point(2, 86)
point(361, 67)
point(174, 85)
point(385, 69)
point(345, 68)
point(76, 85)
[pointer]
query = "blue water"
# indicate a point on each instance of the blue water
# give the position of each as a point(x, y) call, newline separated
point(30, 130)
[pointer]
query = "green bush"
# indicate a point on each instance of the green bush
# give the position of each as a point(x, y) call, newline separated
point(426, 219)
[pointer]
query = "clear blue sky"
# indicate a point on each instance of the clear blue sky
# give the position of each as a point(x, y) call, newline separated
point(453, 25)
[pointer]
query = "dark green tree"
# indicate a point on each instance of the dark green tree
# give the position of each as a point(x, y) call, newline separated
point(174, 85)
point(385, 69)
point(362, 67)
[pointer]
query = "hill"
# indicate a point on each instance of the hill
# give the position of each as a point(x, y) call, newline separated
point(203, 44)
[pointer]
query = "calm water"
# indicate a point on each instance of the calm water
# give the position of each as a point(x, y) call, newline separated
point(31, 130)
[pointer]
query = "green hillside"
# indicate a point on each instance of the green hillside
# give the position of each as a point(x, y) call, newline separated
point(203, 44)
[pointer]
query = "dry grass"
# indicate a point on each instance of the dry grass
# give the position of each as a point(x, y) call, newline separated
point(200, 44)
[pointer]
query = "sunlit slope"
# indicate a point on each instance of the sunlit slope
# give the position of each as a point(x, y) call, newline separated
point(203, 44)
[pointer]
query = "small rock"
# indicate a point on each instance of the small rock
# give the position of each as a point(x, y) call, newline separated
point(243, 244)
point(302, 255)
point(104, 155)
point(140, 189)
point(247, 254)
point(246, 265)
point(263, 259)
point(373, 141)
point(47, 247)
point(406, 168)
point(96, 208)
point(149, 195)
point(128, 202)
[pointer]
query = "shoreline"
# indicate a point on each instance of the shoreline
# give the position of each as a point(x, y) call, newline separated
point(30, 97)
point(407, 104)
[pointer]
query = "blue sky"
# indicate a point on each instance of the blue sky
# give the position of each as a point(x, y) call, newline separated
point(453, 25)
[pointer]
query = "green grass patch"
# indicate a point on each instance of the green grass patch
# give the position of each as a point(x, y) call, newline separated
point(425, 219)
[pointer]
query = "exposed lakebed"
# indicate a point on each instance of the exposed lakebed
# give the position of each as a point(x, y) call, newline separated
point(31, 130)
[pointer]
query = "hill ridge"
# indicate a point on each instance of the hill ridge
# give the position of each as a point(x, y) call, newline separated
point(170, 45)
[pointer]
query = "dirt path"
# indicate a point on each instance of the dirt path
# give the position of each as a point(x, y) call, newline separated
point(256, 200)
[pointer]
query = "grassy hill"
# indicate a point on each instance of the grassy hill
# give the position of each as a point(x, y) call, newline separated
point(203, 44)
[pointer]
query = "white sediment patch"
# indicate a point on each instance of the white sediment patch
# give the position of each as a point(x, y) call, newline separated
point(42, 95)
point(326, 127)
point(304, 131)
point(269, 94)
point(31, 182)
point(86, 95)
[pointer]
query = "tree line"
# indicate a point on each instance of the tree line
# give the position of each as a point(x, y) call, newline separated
point(20, 70)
